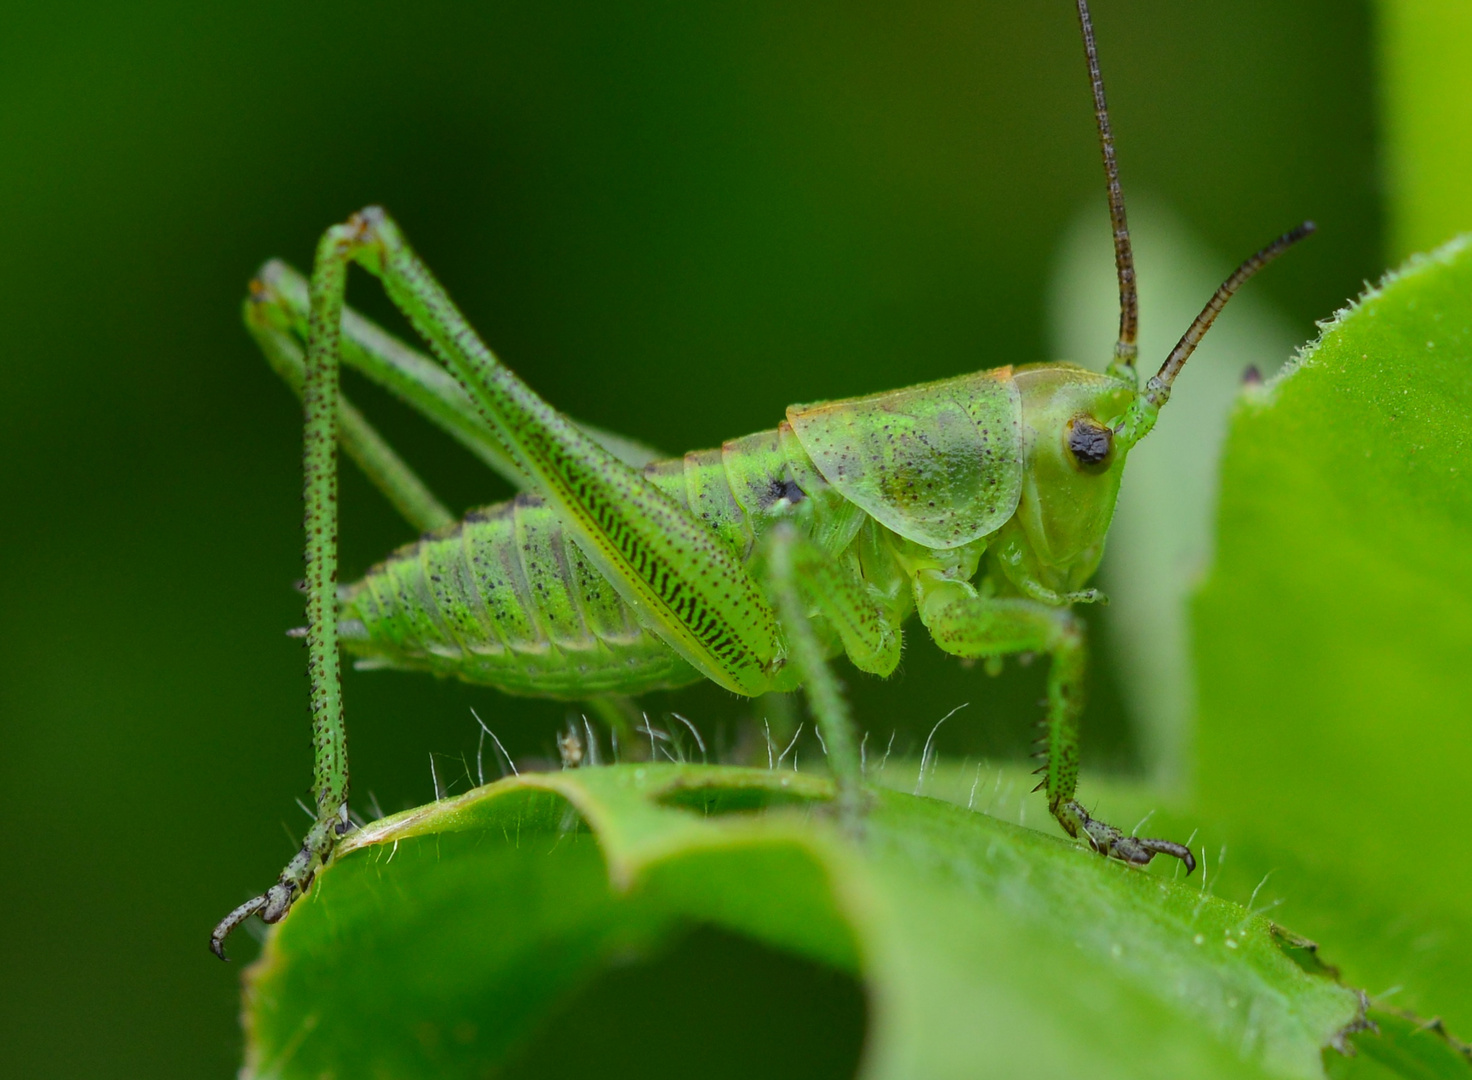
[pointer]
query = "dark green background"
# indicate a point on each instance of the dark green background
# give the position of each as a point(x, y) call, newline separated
point(673, 219)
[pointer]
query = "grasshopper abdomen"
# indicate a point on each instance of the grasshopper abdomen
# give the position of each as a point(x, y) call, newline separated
point(504, 598)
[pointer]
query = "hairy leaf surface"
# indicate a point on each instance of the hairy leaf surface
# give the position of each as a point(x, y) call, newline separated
point(442, 941)
point(1333, 637)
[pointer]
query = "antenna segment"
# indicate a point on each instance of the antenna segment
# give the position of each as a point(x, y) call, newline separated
point(1126, 348)
point(1141, 415)
point(1157, 390)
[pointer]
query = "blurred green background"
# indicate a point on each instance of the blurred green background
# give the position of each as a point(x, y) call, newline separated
point(673, 221)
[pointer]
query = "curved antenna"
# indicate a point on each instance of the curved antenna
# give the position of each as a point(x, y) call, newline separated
point(1140, 417)
point(1125, 349)
point(1158, 388)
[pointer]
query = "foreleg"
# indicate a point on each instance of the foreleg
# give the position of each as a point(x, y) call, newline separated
point(966, 624)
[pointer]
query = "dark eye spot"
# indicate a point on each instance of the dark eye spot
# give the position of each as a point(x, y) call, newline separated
point(1089, 441)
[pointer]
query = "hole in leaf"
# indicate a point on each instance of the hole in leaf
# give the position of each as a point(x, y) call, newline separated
point(715, 800)
point(713, 1005)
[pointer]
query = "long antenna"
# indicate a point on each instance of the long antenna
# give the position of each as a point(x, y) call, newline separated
point(1126, 348)
point(1157, 390)
point(1140, 417)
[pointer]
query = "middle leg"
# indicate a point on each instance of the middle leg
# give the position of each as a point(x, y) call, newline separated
point(801, 578)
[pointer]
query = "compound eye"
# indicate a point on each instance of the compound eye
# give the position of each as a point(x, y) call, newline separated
point(1089, 441)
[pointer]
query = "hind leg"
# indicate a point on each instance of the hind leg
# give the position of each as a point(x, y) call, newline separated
point(667, 563)
point(276, 314)
point(269, 321)
point(322, 407)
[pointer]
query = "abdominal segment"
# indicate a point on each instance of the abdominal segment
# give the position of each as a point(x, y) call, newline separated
point(504, 598)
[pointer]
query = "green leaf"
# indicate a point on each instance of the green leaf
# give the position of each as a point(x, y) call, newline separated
point(1333, 637)
point(1425, 51)
point(443, 941)
point(1398, 1044)
point(1393, 1043)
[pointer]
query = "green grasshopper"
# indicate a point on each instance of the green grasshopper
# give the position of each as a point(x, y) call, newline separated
point(980, 503)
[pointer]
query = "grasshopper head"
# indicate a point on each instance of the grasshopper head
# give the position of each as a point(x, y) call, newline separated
point(1072, 471)
point(1079, 426)
point(1082, 425)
